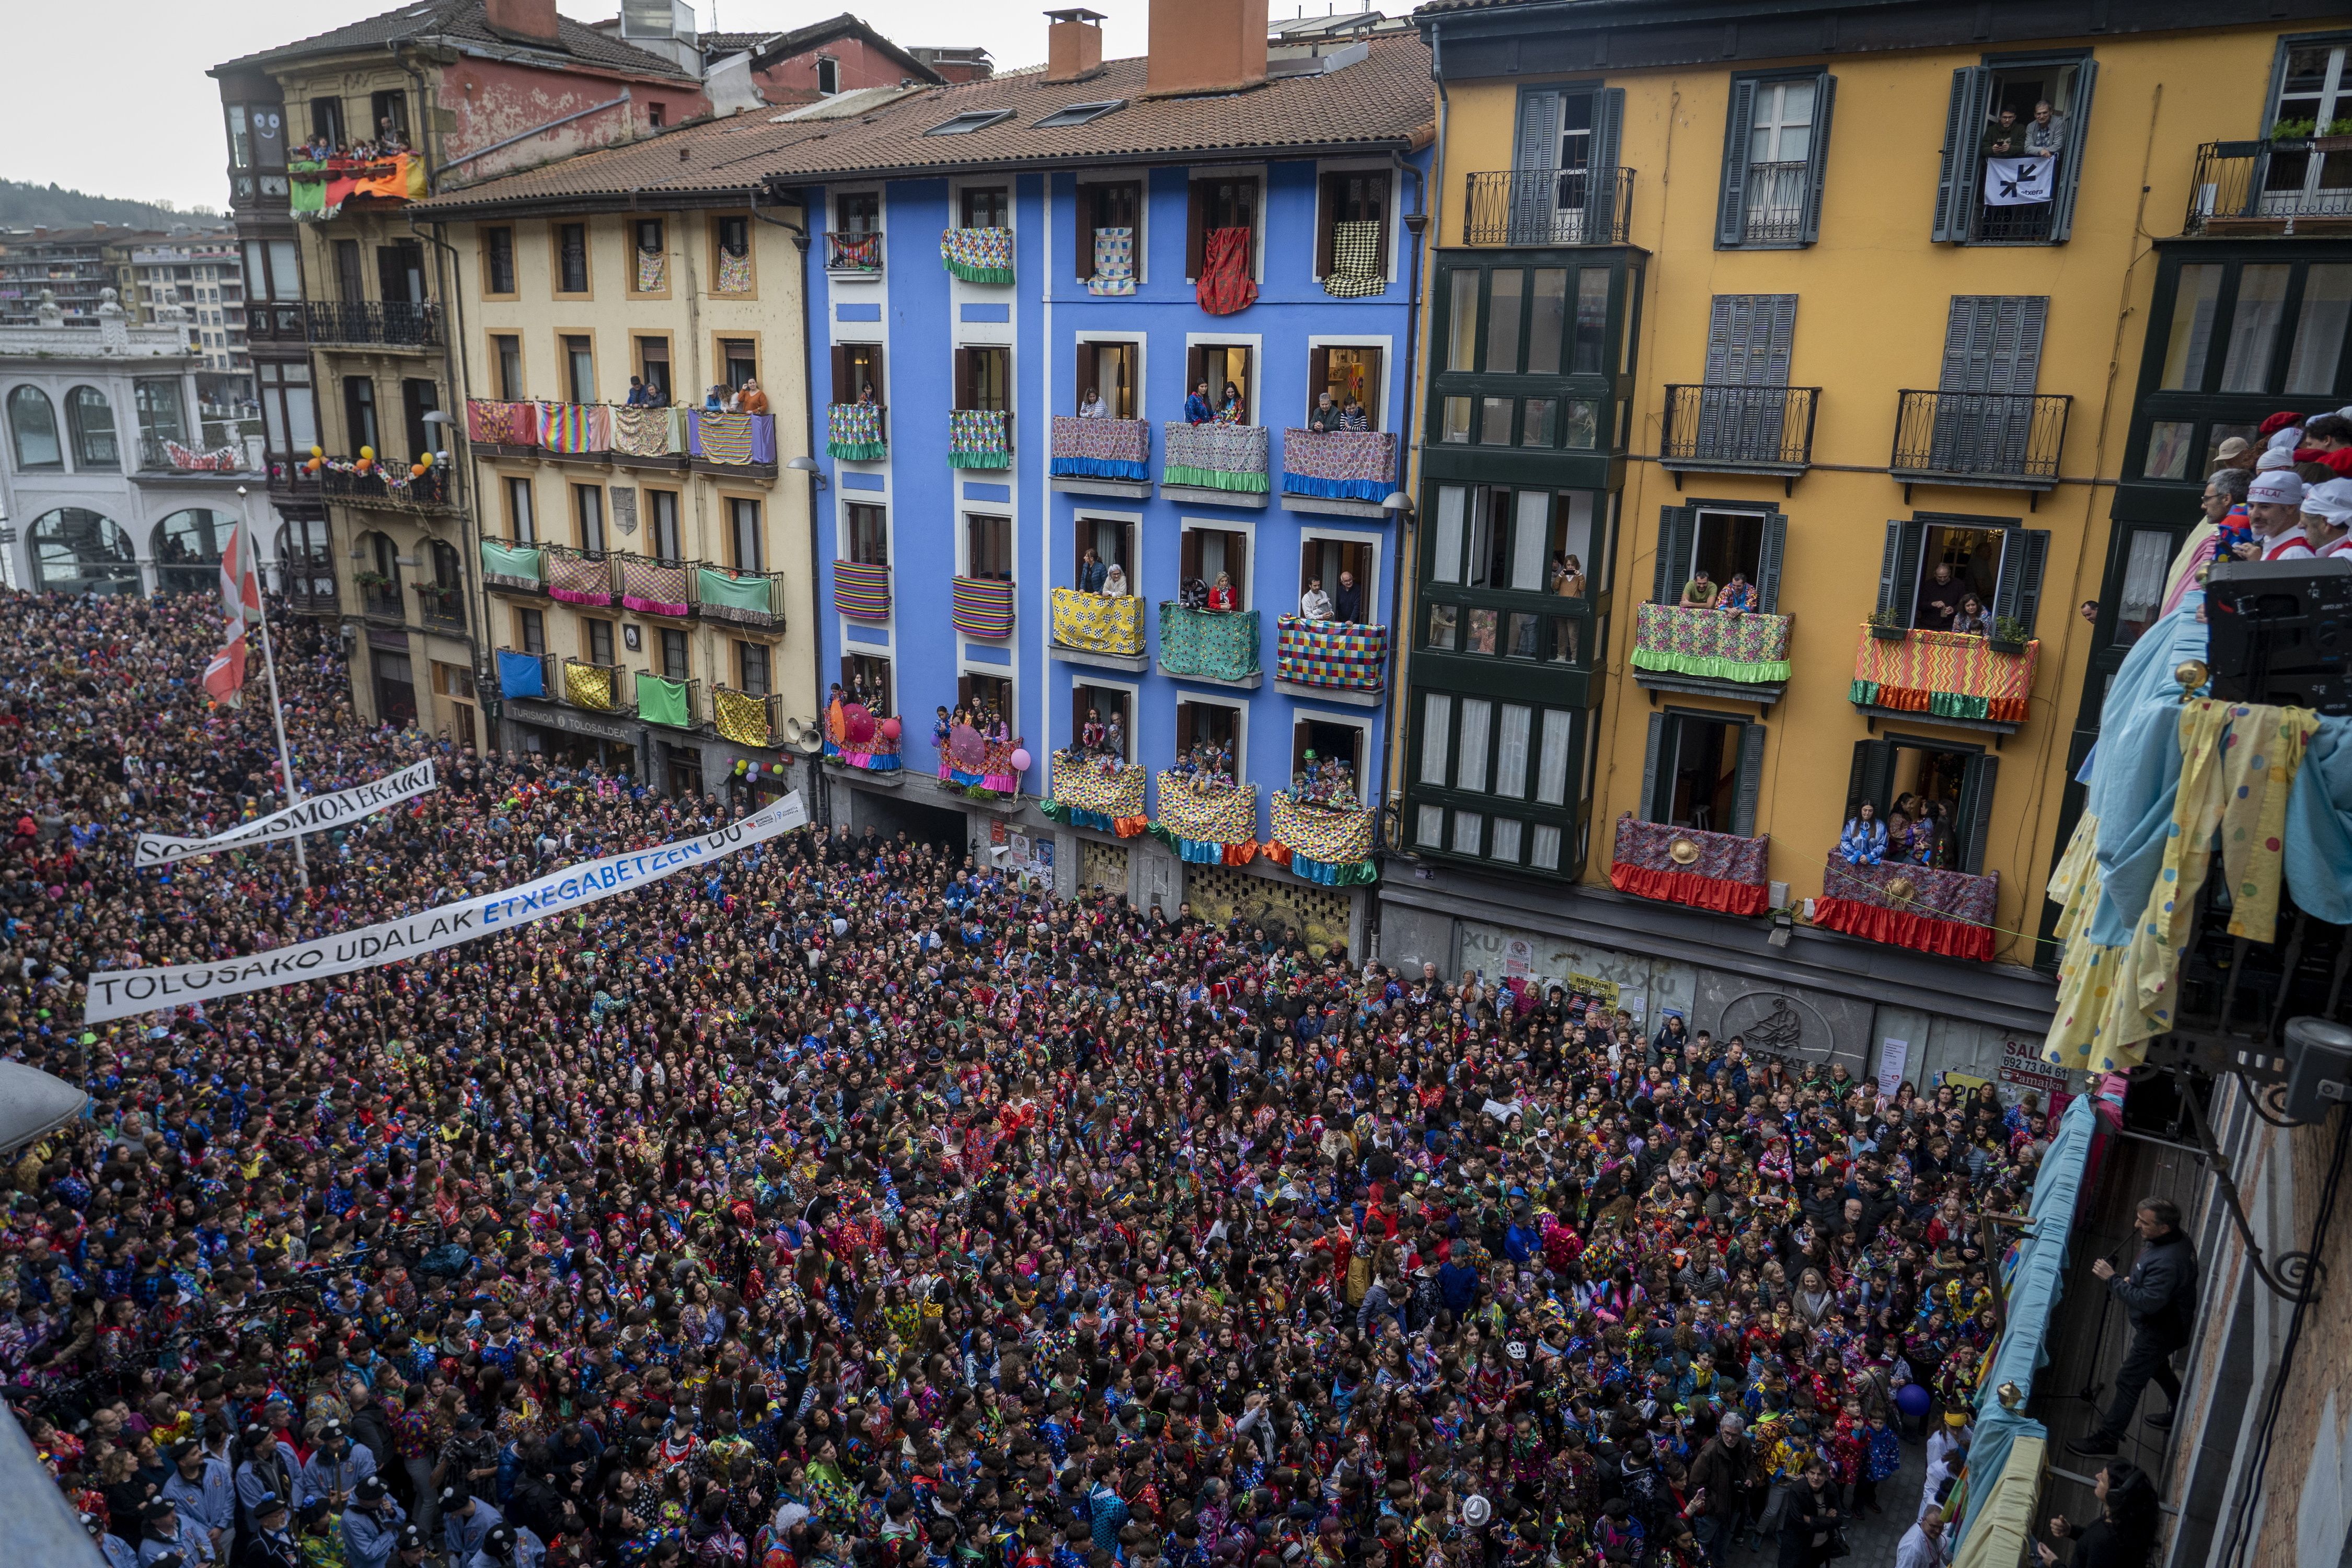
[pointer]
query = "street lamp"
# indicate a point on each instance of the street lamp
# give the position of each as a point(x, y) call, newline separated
point(805, 465)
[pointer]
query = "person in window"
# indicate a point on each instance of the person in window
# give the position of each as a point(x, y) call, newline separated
point(1352, 416)
point(1094, 407)
point(1940, 600)
point(1864, 843)
point(1326, 417)
point(1931, 841)
point(1114, 582)
point(1567, 582)
point(1091, 574)
point(1348, 600)
point(1898, 838)
point(1738, 596)
point(1230, 412)
point(750, 400)
point(1114, 751)
point(715, 400)
point(1971, 620)
point(638, 397)
point(1198, 409)
point(1698, 594)
point(1315, 604)
point(1222, 594)
point(1090, 733)
point(2045, 133)
point(2005, 138)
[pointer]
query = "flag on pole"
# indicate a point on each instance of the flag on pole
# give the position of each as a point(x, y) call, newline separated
point(240, 582)
point(224, 676)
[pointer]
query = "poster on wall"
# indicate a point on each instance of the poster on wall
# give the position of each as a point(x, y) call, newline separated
point(1634, 1003)
point(2021, 1066)
point(1518, 958)
point(1893, 1064)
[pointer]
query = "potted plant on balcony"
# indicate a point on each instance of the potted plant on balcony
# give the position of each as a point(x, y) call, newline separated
point(1886, 626)
point(371, 582)
point(2009, 634)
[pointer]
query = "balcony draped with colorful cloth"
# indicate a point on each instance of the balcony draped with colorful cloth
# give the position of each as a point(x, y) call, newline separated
point(316, 191)
point(508, 565)
point(977, 439)
point(856, 737)
point(661, 700)
point(1114, 261)
point(649, 432)
point(744, 600)
point(853, 432)
point(1338, 465)
point(1329, 845)
point(981, 607)
point(978, 255)
point(655, 588)
point(861, 592)
point(1213, 457)
point(1905, 905)
point(1214, 826)
point(575, 428)
point(1355, 268)
point(490, 424)
point(1219, 645)
point(741, 718)
point(1225, 287)
point(592, 686)
point(1951, 675)
point(1716, 644)
point(1099, 623)
point(578, 576)
point(1345, 656)
point(737, 439)
point(652, 268)
point(523, 674)
point(1101, 448)
point(734, 272)
point(1087, 795)
point(971, 760)
point(853, 252)
point(1718, 871)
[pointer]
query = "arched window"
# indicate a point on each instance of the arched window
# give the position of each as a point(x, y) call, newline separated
point(187, 548)
point(447, 571)
point(76, 551)
point(33, 424)
point(379, 577)
point(91, 419)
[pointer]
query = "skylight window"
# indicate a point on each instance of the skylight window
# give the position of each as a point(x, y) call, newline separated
point(1078, 114)
point(972, 120)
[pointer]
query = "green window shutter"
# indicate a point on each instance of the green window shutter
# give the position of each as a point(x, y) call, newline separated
point(2070, 162)
point(1731, 205)
point(1601, 213)
point(1677, 536)
point(1898, 567)
point(1751, 779)
point(1650, 769)
point(1976, 809)
point(1824, 99)
point(1963, 167)
point(1871, 778)
point(1767, 562)
point(2025, 554)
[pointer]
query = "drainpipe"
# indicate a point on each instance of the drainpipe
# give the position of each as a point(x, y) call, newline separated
point(800, 233)
point(1400, 703)
point(470, 557)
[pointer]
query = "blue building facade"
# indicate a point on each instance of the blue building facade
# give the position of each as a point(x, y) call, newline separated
point(960, 322)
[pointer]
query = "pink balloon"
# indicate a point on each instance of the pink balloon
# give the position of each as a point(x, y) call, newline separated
point(1021, 759)
point(889, 729)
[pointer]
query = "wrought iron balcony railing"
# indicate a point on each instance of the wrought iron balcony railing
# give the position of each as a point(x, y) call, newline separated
point(1532, 208)
point(1758, 429)
point(2009, 440)
point(379, 324)
point(2270, 187)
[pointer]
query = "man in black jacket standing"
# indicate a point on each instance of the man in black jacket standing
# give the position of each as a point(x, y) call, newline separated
point(2160, 1296)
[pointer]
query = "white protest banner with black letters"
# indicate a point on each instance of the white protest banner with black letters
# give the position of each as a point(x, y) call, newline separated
point(312, 815)
point(123, 993)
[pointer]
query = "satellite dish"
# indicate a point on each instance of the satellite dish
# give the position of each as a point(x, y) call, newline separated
point(32, 1105)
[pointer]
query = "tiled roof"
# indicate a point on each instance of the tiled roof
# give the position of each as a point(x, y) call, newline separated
point(784, 46)
point(465, 21)
point(1383, 100)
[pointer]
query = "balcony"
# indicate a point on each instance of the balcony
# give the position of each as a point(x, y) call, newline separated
point(526, 674)
point(1338, 661)
point(580, 576)
point(980, 438)
point(1102, 457)
point(2274, 187)
point(161, 455)
point(1099, 630)
point(1225, 465)
point(380, 595)
point(981, 607)
point(1947, 678)
point(595, 687)
point(1215, 646)
point(860, 591)
point(1327, 842)
point(854, 255)
point(1903, 905)
point(317, 191)
point(1984, 440)
point(508, 429)
point(978, 255)
point(657, 587)
point(742, 598)
point(1532, 208)
point(393, 488)
point(746, 719)
point(1347, 473)
point(732, 443)
point(373, 323)
point(1773, 201)
point(1097, 791)
point(858, 737)
point(856, 432)
point(1736, 654)
point(513, 568)
point(1213, 824)
point(440, 607)
point(672, 704)
point(1717, 871)
point(1738, 430)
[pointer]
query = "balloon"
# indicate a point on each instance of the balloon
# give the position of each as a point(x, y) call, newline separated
point(315, 464)
point(415, 470)
point(363, 465)
point(741, 765)
point(367, 451)
point(1020, 759)
point(426, 461)
point(318, 451)
point(890, 729)
point(1912, 1399)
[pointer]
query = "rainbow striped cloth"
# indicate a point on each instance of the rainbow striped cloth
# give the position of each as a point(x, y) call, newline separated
point(982, 608)
point(861, 592)
point(575, 427)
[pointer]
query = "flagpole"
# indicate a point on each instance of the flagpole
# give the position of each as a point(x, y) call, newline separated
point(285, 758)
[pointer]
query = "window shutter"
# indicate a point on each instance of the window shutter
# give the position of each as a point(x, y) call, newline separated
point(1767, 562)
point(1650, 769)
point(1529, 199)
point(1777, 315)
point(1195, 223)
point(1976, 809)
point(1085, 376)
point(2024, 553)
point(1539, 137)
point(1677, 533)
point(1871, 778)
point(2070, 162)
point(1318, 375)
point(1824, 99)
point(1719, 317)
point(1887, 564)
point(1751, 780)
point(1330, 190)
point(1375, 364)
point(963, 378)
point(1601, 213)
point(1731, 205)
point(1963, 170)
point(1084, 250)
point(842, 391)
point(1378, 188)
point(1237, 567)
point(873, 374)
point(1196, 362)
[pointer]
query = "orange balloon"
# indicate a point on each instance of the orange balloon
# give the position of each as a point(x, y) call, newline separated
point(363, 465)
point(415, 470)
point(315, 464)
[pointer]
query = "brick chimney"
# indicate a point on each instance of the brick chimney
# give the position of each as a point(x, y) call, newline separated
point(524, 21)
point(1206, 46)
point(1072, 45)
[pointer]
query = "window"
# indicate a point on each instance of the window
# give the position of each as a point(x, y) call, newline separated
point(597, 642)
point(1112, 542)
point(453, 680)
point(673, 653)
point(857, 373)
point(522, 523)
point(91, 419)
point(509, 350)
point(1326, 754)
point(986, 206)
point(419, 397)
point(350, 274)
point(359, 412)
point(1219, 366)
point(33, 426)
point(828, 75)
point(1563, 187)
point(743, 533)
point(531, 630)
point(1948, 788)
point(1490, 779)
point(653, 367)
point(2013, 157)
point(1351, 375)
point(1344, 569)
point(652, 239)
point(1722, 540)
point(580, 368)
point(1109, 370)
point(1116, 205)
point(857, 212)
point(289, 413)
point(497, 261)
point(868, 529)
point(1773, 153)
point(1112, 707)
point(1208, 554)
point(588, 510)
point(1703, 770)
point(865, 677)
point(966, 123)
point(661, 525)
point(657, 113)
point(1218, 202)
point(751, 668)
point(1071, 114)
point(1358, 199)
point(2147, 555)
point(1211, 732)
point(400, 272)
point(732, 240)
point(1934, 562)
point(161, 415)
point(988, 547)
point(388, 116)
point(327, 122)
point(572, 258)
point(984, 378)
point(2266, 328)
point(742, 358)
point(986, 698)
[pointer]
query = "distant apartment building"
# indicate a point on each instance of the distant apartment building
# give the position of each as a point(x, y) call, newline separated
point(199, 273)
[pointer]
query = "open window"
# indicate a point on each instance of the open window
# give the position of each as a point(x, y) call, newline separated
point(1943, 792)
point(1219, 366)
point(1111, 370)
point(1724, 541)
point(1358, 199)
point(865, 680)
point(1112, 542)
point(588, 512)
point(857, 212)
point(857, 373)
point(1215, 557)
point(1934, 563)
point(579, 367)
point(988, 546)
point(1326, 760)
point(983, 377)
point(1115, 204)
point(1219, 201)
point(1352, 377)
point(986, 699)
point(744, 535)
point(1563, 184)
point(664, 539)
point(742, 358)
point(867, 530)
point(2013, 160)
point(1209, 733)
point(1105, 711)
point(986, 206)
point(1342, 570)
point(653, 368)
point(572, 258)
point(1703, 770)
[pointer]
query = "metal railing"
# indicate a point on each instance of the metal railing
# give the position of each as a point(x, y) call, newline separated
point(379, 596)
point(2010, 437)
point(578, 576)
point(635, 698)
point(657, 585)
point(1548, 206)
point(440, 606)
point(714, 609)
point(426, 494)
point(389, 323)
point(1775, 198)
point(2268, 187)
point(746, 717)
point(1770, 428)
point(610, 693)
point(859, 252)
point(208, 455)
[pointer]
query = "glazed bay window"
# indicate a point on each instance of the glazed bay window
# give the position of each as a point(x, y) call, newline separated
point(1774, 150)
point(1529, 359)
point(1498, 780)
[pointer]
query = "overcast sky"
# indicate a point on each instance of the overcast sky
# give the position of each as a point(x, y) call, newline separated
point(128, 111)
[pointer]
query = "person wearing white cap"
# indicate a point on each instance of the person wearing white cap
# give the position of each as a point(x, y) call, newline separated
point(2273, 458)
point(2274, 506)
point(2330, 504)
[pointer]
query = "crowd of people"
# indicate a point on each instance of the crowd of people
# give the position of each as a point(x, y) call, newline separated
point(849, 1206)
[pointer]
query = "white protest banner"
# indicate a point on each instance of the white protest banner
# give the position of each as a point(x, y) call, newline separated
point(312, 815)
point(123, 994)
point(2018, 182)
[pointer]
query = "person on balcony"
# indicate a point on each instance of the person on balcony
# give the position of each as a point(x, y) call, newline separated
point(1114, 746)
point(1315, 604)
point(1863, 842)
point(1348, 600)
point(1222, 597)
point(1326, 417)
point(2005, 138)
point(1738, 596)
point(750, 400)
point(715, 400)
point(1898, 838)
point(1231, 410)
point(1940, 600)
point(1971, 621)
point(1091, 573)
point(1114, 582)
point(1352, 417)
point(2045, 133)
point(1091, 732)
point(1198, 409)
point(1698, 594)
point(1094, 407)
point(1567, 582)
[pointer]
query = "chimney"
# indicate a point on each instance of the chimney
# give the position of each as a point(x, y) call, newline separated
point(1072, 45)
point(1206, 46)
point(523, 21)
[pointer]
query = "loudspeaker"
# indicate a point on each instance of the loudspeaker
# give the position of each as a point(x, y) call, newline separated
point(794, 729)
point(2280, 633)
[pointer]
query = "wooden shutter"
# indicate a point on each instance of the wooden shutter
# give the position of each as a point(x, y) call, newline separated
point(2018, 322)
point(963, 377)
point(1086, 374)
point(1196, 365)
point(1894, 577)
point(1963, 169)
point(1768, 361)
point(1188, 564)
point(1871, 778)
point(1539, 132)
point(964, 691)
point(1319, 376)
point(874, 373)
point(1677, 534)
point(1774, 544)
point(1601, 186)
point(1731, 204)
point(1376, 187)
point(1330, 190)
point(1723, 318)
point(1084, 249)
point(2025, 554)
point(1977, 781)
point(1238, 568)
point(1824, 99)
point(2070, 160)
point(1375, 363)
point(843, 391)
point(1649, 768)
point(1751, 780)
point(1196, 209)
